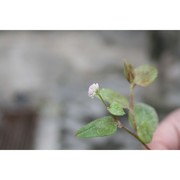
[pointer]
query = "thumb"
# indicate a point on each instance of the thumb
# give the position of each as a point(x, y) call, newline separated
point(167, 135)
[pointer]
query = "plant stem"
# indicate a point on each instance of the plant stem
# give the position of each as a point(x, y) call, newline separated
point(120, 125)
point(102, 100)
point(134, 135)
point(131, 105)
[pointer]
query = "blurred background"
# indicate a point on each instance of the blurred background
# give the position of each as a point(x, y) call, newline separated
point(45, 75)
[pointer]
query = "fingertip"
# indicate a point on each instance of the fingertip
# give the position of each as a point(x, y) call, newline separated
point(167, 135)
point(157, 146)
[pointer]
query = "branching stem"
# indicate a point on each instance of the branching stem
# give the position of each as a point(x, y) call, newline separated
point(120, 125)
point(134, 135)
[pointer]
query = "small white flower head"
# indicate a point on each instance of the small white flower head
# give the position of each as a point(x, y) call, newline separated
point(93, 90)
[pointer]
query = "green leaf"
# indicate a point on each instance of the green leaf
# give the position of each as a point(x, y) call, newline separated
point(112, 96)
point(101, 127)
point(146, 121)
point(116, 109)
point(145, 75)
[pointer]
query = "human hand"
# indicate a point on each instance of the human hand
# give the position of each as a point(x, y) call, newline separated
point(167, 135)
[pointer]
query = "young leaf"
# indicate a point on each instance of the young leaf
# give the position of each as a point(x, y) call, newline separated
point(116, 109)
point(101, 127)
point(146, 121)
point(128, 72)
point(111, 96)
point(145, 75)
